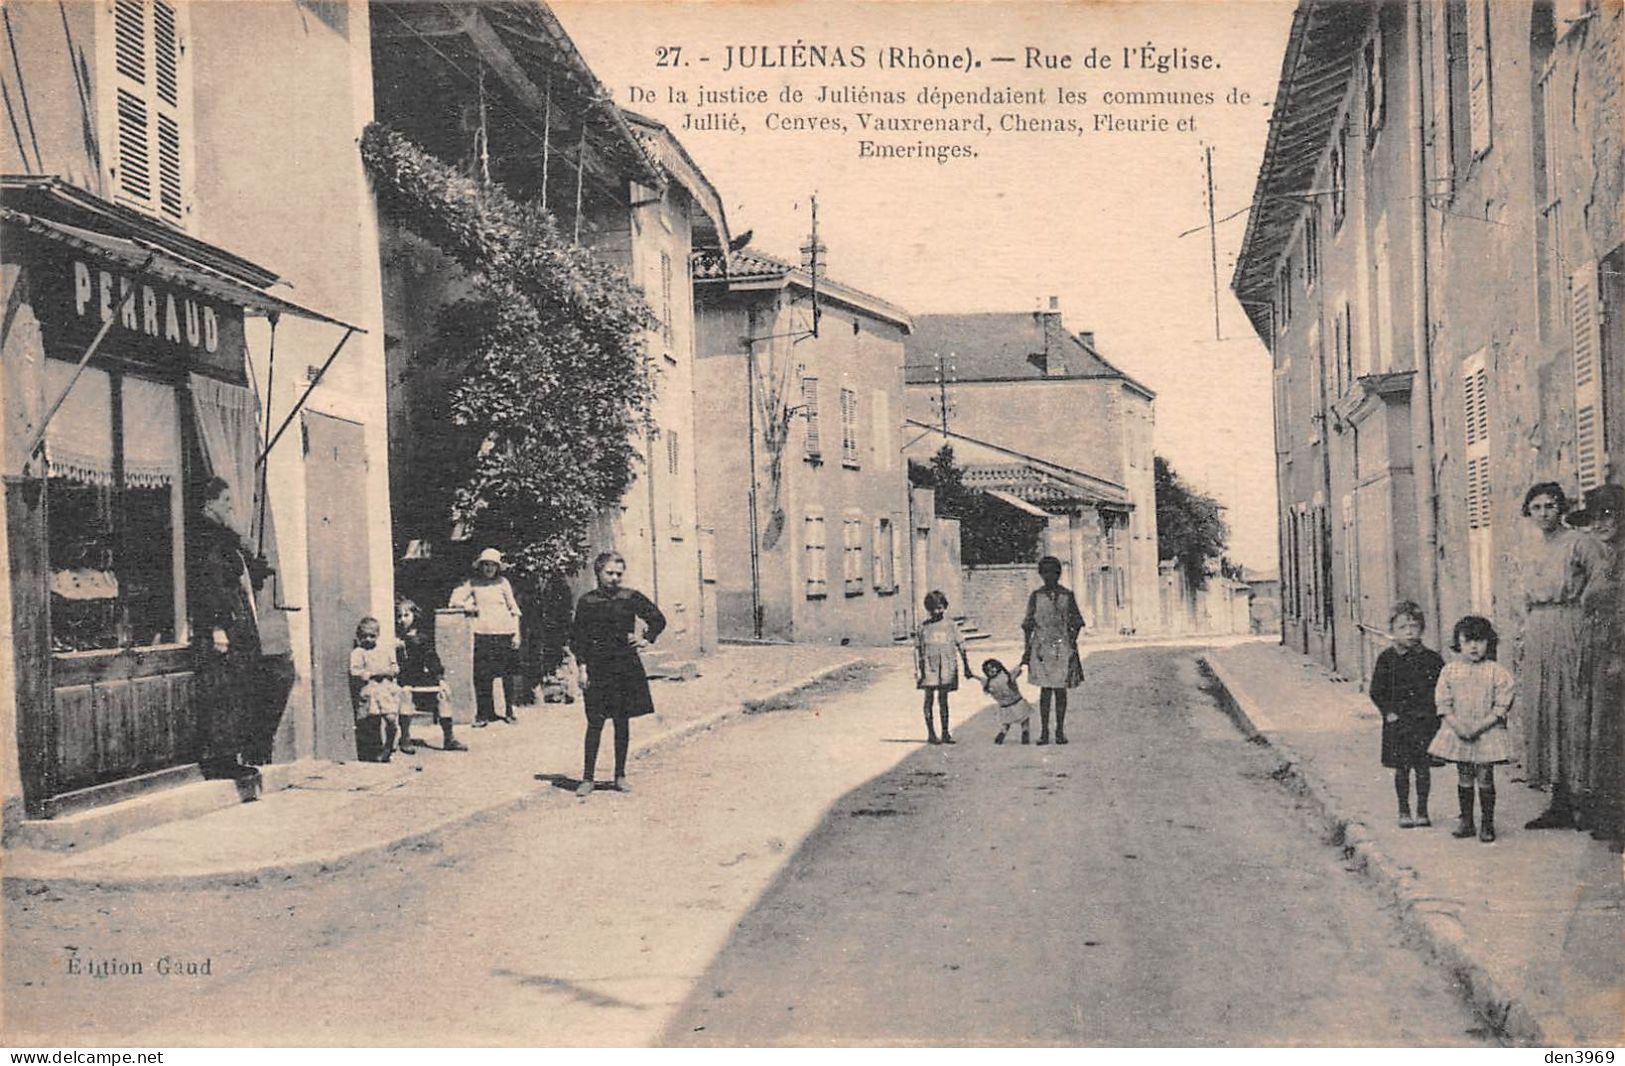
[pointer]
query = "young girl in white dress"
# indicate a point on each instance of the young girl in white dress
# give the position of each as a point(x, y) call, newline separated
point(938, 650)
point(1474, 697)
point(1013, 706)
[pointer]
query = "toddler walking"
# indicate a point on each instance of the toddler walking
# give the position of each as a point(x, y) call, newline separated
point(1013, 706)
point(1474, 697)
point(938, 651)
point(377, 696)
point(1402, 685)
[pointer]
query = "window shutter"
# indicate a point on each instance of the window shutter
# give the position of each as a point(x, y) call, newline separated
point(665, 296)
point(1589, 431)
point(809, 404)
point(147, 55)
point(1375, 105)
point(849, 427)
point(673, 465)
point(1478, 74)
point(813, 536)
point(1476, 423)
point(882, 426)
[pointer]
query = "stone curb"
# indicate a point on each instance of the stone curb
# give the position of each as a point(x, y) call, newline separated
point(1442, 935)
point(425, 839)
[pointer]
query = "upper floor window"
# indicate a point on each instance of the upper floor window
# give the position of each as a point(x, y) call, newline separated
point(1467, 61)
point(1311, 246)
point(1340, 174)
point(148, 114)
point(1376, 105)
point(1283, 296)
point(665, 297)
point(849, 428)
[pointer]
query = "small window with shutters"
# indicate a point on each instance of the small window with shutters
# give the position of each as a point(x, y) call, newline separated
point(852, 553)
point(148, 114)
point(1478, 76)
point(884, 448)
point(809, 411)
point(1475, 412)
point(1590, 449)
point(817, 575)
point(674, 495)
point(665, 297)
point(1376, 107)
point(849, 428)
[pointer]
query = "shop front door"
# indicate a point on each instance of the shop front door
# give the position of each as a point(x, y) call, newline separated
point(340, 593)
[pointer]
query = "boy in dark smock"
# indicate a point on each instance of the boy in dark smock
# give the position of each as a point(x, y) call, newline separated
point(1402, 685)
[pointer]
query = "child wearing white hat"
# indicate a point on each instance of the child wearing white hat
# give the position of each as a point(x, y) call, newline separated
point(489, 599)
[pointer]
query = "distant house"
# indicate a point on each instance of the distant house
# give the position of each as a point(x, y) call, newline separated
point(536, 123)
point(1020, 381)
point(1081, 520)
point(800, 470)
point(1446, 316)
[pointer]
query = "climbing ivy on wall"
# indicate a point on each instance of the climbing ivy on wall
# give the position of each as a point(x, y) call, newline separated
point(550, 385)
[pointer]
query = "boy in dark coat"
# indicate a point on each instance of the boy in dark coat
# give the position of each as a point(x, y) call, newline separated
point(1402, 687)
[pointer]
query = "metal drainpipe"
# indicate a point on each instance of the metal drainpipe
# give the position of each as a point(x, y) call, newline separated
point(1422, 341)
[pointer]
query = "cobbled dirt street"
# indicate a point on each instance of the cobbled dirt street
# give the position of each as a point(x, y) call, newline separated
point(808, 874)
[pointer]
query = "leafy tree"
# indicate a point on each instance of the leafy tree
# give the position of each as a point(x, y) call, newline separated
point(539, 371)
point(1190, 529)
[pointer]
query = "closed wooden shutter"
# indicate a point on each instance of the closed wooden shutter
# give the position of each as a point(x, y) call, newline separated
point(849, 427)
point(817, 577)
point(149, 160)
point(809, 406)
point(1476, 430)
point(1478, 74)
point(884, 449)
point(1589, 435)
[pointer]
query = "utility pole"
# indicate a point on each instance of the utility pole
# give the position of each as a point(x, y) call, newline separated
point(1213, 241)
point(943, 369)
point(809, 260)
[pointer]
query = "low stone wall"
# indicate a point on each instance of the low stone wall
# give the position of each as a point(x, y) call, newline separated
point(996, 597)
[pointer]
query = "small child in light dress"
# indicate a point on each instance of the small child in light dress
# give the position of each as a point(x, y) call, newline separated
point(377, 697)
point(938, 650)
point(1013, 706)
point(1474, 697)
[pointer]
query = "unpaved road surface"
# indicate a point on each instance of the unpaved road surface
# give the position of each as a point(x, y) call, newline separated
point(810, 875)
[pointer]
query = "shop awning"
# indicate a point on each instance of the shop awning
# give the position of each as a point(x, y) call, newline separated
point(168, 264)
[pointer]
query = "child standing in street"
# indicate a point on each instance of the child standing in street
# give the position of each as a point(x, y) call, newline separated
point(423, 676)
point(377, 696)
point(1402, 685)
point(938, 651)
point(1474, 697)
point(1013, 706)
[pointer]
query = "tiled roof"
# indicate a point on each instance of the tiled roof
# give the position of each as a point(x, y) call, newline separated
point(995, 346)
point(742, 264)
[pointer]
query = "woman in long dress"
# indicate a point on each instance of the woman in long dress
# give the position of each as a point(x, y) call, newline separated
point(225, 635)
point(1051, 627)
point(1558, 565)
point(605, 642)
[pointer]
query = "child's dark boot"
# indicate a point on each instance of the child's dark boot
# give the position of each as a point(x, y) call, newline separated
point(1465, 828)
point(1486, 819)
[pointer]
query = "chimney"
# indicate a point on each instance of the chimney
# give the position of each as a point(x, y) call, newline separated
point(1051, 359)
point(1088, 339)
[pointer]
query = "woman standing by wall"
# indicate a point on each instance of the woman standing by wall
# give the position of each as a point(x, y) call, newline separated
point(226, 635)
point(1559, 564)
point(605, 642)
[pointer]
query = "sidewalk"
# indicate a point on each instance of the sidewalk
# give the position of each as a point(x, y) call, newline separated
point(327, 815)
point(1533, 925)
